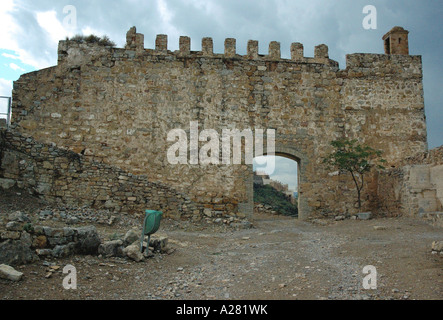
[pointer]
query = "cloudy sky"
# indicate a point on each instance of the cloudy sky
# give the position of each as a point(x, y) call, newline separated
point(30, 30)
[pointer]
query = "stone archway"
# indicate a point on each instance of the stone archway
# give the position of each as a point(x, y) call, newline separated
point(302, 162)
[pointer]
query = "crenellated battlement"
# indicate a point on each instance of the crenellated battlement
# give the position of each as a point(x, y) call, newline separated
point(135, 43)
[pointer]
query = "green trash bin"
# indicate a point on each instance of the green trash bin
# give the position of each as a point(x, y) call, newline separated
point(150, 225)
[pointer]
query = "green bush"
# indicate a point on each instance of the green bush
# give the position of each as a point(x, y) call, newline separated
point(103, 41)
point(28, 228)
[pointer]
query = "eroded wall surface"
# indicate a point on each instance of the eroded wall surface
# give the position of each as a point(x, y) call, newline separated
point(415, 187)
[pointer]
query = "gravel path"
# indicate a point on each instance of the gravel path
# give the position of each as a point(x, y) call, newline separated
point(281, 258)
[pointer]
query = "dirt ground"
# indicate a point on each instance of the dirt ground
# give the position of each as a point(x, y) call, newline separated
point(280, 258)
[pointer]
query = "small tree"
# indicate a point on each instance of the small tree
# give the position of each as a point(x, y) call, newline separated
point(357, 159)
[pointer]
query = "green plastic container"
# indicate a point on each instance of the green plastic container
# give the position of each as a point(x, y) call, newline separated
point(152, 221)
point(151, 224)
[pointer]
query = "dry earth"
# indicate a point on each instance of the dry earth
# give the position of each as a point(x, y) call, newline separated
point(280, 258)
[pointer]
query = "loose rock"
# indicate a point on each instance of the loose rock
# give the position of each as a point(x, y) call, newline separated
point(130, 237)
point(133, 252)
point(9, 273)
point(437, 246)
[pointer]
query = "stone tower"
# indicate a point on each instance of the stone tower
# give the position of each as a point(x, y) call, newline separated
point(396, 41)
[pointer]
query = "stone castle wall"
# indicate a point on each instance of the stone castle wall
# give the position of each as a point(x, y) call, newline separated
point(65, 177)
point(116, 106)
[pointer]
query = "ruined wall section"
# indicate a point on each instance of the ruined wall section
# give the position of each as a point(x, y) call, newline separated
point(116, 106)
point(414, 187)
point(67, 178)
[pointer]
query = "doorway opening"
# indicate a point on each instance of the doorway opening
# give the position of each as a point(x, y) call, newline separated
point(276, 185)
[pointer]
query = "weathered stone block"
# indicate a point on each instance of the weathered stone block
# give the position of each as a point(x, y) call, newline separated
point(252, 49)
point(185, 45)
point(62, 251)
point(88, 240)
point(207, 46)
point(230, 48)
point(297, 51)
point(111, 248)
point(437, 246)
point(161, 43)
point(16, 253)
point(133, 251)
point(131, 236)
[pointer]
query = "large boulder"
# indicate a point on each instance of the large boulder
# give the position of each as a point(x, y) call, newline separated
point(111, 249)
point(16, 252)
point(88, 240)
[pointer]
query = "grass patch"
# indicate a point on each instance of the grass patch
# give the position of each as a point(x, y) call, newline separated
point(279, 202)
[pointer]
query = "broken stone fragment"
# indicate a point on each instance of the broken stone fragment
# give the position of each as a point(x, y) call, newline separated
point(159, 242)
point(43, 252)
point(10, 235)
point(131, 236)
point(437, 246)
point(18, 216)
point(9, 273)
point(242, 225)
point(133, 252)
point(320, 222)
point(364, 215)
point(14, 226)
point(148, 254)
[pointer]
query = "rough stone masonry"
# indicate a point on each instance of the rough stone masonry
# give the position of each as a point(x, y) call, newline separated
point(115, 107)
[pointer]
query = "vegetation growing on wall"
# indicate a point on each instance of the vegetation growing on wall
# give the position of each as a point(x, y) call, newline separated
point(351, 157)
point(267, 195)
point(103, 41)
